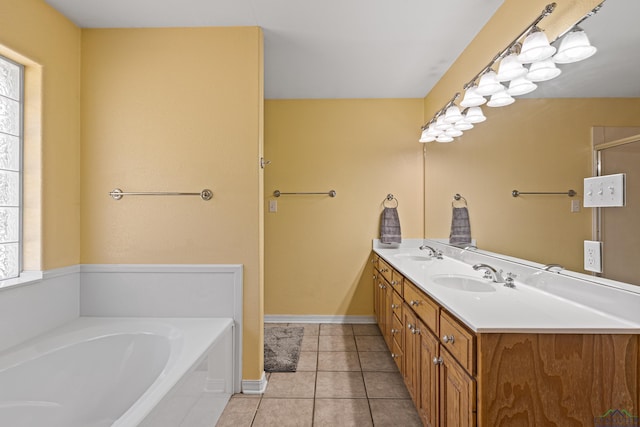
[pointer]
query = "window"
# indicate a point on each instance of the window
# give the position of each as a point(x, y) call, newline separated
point(11, 137)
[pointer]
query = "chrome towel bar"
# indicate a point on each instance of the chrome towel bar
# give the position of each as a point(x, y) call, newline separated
point(570, 193)
point(330, 193)
point(117, 194)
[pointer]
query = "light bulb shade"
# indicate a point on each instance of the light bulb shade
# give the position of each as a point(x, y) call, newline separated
point(472, 98)
point(574, 47)
point(536, 47)
point(432, 131)
point(453, 132)
point(425, 137)
point(452, 115)
point(463, 125)
point(500, 99)
point(521, 86)
point(489, 84)
point(510, 68)
point(444, 138)
point(543, 70)
point(474, 115)
point(441, 124)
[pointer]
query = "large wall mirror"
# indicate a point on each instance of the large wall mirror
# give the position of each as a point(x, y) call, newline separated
point(545, 142)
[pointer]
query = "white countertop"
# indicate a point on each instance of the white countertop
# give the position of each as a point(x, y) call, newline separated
point(525, 308)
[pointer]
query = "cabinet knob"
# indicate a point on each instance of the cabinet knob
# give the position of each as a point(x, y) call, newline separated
point(394, 331)
point(394, 306)
point(414, 303)
point(394, 356)
point(415, 331)
point(393, 283)
point(375, 277)
point(437, 360)
point(384, 270)
point(448, 339)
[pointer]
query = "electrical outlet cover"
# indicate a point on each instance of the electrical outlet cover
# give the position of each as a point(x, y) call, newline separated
point(593, 256)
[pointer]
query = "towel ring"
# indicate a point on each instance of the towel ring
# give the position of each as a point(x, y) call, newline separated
point(390, 198)
point(457, 197)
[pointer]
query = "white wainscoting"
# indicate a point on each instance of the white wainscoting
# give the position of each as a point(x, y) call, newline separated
point(28, 310)
point(162, 290)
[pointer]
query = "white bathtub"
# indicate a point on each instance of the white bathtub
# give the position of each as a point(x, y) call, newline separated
point(96, 372)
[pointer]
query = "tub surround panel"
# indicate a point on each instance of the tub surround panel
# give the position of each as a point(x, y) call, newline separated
point(544, 302)
point(30, 310)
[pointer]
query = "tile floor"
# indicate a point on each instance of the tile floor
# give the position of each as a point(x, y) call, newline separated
point(345, 377)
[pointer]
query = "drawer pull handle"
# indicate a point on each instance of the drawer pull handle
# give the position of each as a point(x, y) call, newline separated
point(415, 331)
point(394, 356)
point(448, 339)
point(385, 270)
point(437, 361)
point(394, 306)
point(414, 303)
point(394, 331)
point(393, 283)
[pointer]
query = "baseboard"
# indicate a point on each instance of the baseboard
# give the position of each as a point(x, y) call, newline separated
point(317, 318)
point(255, 386)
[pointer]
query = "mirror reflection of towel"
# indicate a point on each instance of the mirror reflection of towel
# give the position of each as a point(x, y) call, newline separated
point(390, 226)
point(460, 227)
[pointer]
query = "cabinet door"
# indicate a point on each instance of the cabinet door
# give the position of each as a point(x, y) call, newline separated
point(388, 314)
point(376, 297)
point(429, 377)
point(457, 394)
point(411, 351)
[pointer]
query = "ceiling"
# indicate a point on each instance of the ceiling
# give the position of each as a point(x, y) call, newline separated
point(321, 49)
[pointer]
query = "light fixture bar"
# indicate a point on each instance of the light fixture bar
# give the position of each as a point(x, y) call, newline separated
point(581, 20)
point(442, 110)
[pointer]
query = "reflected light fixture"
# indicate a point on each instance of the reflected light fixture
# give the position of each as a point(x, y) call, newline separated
point(543, 70)
point(536, 47)
point(472, 98)
point(489, 84)
point(575, 46)
point(463, 124)
point(452, 115)
point(521, 86)
point(444, 138)
point(425, 137)
point(510, 68)
point(500, 99)
point(474, 115)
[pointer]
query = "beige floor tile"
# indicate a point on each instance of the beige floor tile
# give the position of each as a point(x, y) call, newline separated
point(338, 361)
point(284, 413)
point(308, 361)
point(336, 343)
point(387, 385)
point(377, 361)
point(366, 329)
point(371, 343)
point(342, 412)
point(394, 413)
point(340, 385)
point(335, 329)
point(309, 328)
point(309, 343)
point(291, 384)
point(239, 411)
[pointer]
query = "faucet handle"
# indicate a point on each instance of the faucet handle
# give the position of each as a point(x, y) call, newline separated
point(509, 280)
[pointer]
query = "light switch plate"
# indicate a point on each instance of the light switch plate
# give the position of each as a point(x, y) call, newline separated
point(593, 256)
point(604, 191)
point(273, 206)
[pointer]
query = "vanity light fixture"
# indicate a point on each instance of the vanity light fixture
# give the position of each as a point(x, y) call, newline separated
point(500, 99)
point(535, 50)
point(521, 86)
point(543, 70)
point(472, 98)
point(536, 47)
point(575, 46)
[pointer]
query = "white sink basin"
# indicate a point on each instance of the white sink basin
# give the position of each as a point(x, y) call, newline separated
point(463, 283)
point(413, 257)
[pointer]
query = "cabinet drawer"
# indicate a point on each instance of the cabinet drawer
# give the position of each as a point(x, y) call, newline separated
point(397, 331)
point(424, 307)
point(397, 281)
point(397, 355)
point(396, 305)
point(385, 269)
point(459, 341)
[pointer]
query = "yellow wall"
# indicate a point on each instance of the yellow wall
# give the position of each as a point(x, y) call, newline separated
point(34, 34)
point(316, 246)
point(176, 110)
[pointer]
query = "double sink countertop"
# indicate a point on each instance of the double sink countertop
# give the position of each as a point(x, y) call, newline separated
point(541, 301)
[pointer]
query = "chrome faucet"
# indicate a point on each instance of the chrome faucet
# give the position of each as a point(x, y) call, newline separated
point(555, 267)
point(490, 273)
point(432, 252)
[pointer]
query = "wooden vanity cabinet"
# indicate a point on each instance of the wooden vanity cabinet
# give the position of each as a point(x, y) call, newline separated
point(458, 378)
